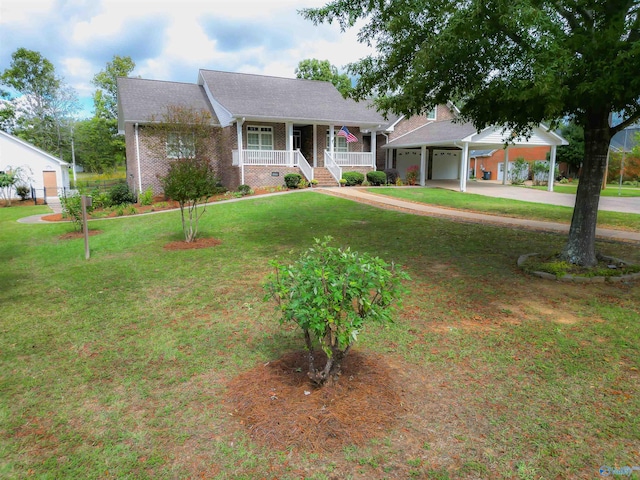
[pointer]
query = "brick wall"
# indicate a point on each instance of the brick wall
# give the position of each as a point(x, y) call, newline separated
point(411, 123)
point(491, 163)
point(260, 176)
point(154, 163)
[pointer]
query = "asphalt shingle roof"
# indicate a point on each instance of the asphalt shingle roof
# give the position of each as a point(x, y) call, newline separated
point(434, 133)
point(141, 100)
point(276, 98)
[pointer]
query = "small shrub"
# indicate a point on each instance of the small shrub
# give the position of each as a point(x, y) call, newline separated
point(353, 178)
point(412, 174)
point(121, 194)
point(392, 175)
point(292, 180)
point(245, 190)
point(366, 183)
point(342, 182)
point(377, 178)
point(313, 182)
point(120, 209)
point(72, 209)
point(564, 181)
point(519, 171)
point(100, 200)
point(303, 183)
point(23, 192)
point(331, 293)
point(146, 197)
point(399, 182)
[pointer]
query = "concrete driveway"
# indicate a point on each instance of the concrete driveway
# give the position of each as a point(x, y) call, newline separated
point(496, 189)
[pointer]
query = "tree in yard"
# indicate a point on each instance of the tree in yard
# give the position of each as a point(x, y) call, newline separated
point(97, 149)
point(45, 104)
point(183, 135)
point(331, 293)
point(313, 69)
point(105, 99)
point(572, 154)
point(510, 62)
point(103, 128)
point(11, 178)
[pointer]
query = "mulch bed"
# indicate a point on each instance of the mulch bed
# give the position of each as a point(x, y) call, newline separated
point(72, 235)
point(196, 244)
point(279, 407)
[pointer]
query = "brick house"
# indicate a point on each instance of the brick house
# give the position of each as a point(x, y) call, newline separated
point(264, 127)
point(492, 160)
point(442, 146)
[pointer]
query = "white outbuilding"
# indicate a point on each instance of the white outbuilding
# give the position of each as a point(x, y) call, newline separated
point(46, 174)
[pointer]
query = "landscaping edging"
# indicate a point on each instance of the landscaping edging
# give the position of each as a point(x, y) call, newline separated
point(577, 278)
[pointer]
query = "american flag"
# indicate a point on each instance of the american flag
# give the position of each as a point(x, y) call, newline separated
point(344, 132)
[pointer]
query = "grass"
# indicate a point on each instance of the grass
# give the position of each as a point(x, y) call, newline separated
point(117, 367)
point(106, 179)
point(612, 190)
point(507, 207)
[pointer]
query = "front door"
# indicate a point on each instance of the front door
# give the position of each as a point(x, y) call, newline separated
point(50, 183)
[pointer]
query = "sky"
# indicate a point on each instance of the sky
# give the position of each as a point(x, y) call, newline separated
point(171, 40)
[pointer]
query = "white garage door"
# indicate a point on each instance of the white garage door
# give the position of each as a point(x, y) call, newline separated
point(446, 165)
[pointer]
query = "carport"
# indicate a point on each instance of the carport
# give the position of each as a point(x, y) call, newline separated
point(441, 149)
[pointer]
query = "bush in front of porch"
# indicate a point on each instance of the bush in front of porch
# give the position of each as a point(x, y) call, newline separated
point(353, 178)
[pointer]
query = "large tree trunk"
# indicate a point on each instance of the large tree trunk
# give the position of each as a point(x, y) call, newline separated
point(581, 246)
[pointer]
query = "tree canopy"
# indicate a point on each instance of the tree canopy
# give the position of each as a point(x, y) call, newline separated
point(509, 62)
point(43, 109)
point(572, 154)
point(314, 69)
point(105, 99)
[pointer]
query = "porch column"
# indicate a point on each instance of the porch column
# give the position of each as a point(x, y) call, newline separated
point(289, 142)
point(423, 164)
point(552, 168)
point(240, 153)
point(505, 171)
point(331, 139)
point(464, 169)
point(315, 146)
point(373, 148)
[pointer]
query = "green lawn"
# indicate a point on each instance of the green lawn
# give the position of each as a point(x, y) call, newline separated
point(611, 190)
point(506, 207)
point(117, 367)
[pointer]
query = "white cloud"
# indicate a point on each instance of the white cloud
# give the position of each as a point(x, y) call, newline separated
point(22, 11)
point(171, 40)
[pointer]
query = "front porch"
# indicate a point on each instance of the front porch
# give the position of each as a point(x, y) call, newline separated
point(276, 163)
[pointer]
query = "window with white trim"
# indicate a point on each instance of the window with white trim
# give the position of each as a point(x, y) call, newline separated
point(340, 144)
point(181, 145)
point(431, 114)
point(259, 138)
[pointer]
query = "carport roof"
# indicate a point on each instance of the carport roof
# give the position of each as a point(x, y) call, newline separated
point(449, 133)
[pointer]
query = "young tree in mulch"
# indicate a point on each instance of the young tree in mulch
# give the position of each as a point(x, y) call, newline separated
point(331, 293)
point(183, 135)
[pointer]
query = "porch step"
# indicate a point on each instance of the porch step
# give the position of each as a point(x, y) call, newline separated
point(324, 177)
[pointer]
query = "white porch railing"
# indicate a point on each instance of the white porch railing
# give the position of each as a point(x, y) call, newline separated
point(304, 166)
point(354, 159)
point(332, 166)
point(286, 158)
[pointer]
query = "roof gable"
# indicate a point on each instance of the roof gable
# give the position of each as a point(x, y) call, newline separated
point(284, 99)
point(48, 156)
point(142, 101)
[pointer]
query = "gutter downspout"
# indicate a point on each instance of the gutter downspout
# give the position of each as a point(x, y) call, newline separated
point(138, 158)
